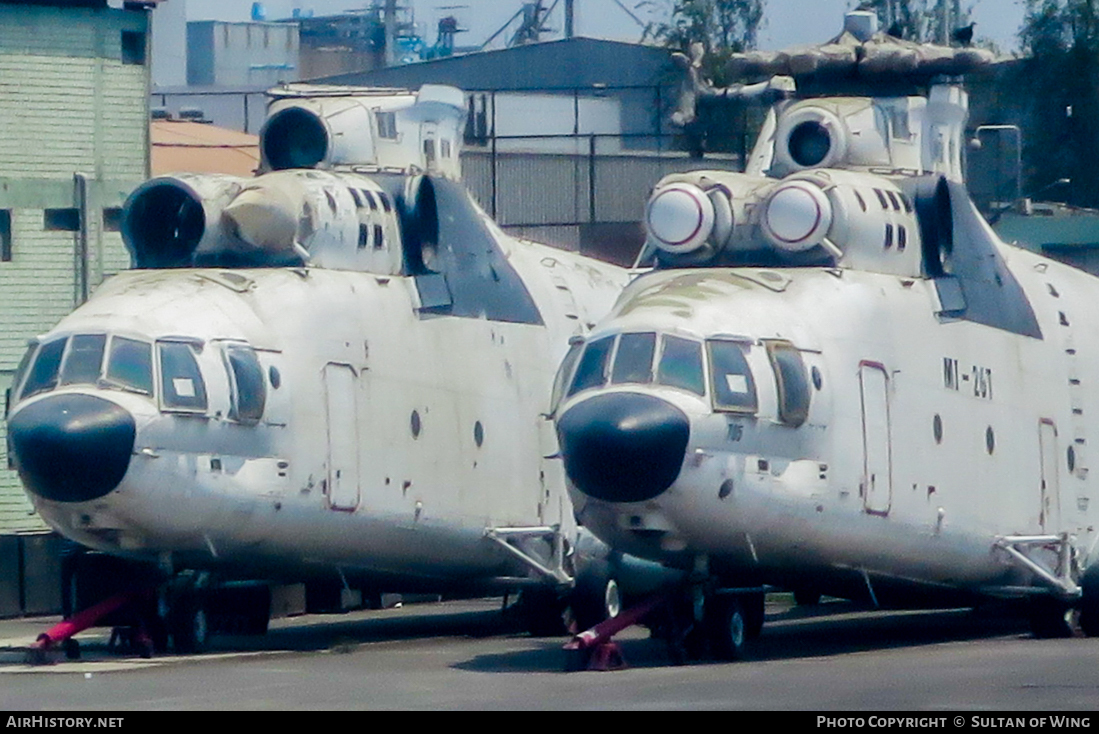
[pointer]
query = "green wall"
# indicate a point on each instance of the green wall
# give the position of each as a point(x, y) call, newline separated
point(73, 100)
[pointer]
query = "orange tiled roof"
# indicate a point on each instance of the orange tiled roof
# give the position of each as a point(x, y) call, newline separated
point(201, 148)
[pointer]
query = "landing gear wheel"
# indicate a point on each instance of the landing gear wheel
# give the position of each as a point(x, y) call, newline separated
point(753, 608)
point(727, 625)
point(1049, 618)
point(596, 596)
point(72, 649)
point(189, 626)
point(541, 612)
point(1089, 601)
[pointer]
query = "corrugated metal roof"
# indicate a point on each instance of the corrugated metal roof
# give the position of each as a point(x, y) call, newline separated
point(201, 148)
point(560, 64)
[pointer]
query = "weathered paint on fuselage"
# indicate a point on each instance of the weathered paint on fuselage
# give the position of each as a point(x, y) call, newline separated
point(772, 503)
point(449, 432)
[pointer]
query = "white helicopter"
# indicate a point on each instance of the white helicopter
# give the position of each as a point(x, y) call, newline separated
point(839, 380)
point(336, 372)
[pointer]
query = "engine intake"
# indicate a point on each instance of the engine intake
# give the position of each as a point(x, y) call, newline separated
point(166, 219)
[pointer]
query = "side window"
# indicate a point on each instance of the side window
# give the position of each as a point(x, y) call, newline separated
point(681, 365)
point(592, 371)
point(43, 373)
point(564, 372)
point(634, 360)
point(249, 388)
point(387, 124)
point(21, 370)
point(130, 365)
point(793, 387)
point(181, 384)
point(85, 359)
point(730, 378)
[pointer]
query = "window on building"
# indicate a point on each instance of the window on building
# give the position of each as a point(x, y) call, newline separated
point(133, 48)
point(5, 235)
point(112, 219)
point(61, 220)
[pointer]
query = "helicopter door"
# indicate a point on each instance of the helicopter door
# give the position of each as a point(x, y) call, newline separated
point(341, 401)
point(1049, 514)
point(877, 478)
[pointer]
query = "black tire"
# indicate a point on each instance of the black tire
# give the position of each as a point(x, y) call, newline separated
point(727, 627)
point(753, 606)
point(189, 625)
point(596, 596)
point(1049, 618)
point(541, 612)
point(1089, 601)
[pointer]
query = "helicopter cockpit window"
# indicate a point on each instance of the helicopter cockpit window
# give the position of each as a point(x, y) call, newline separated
point(681, 365)
point(731, 378)
point(793, 386)
point(21, 370)
point(249, 388)
point(181, 384)
point(564, 372)
point(42, 375)
point(633, 362)
point(130, 365)
point(84, 362)
point(592, 370)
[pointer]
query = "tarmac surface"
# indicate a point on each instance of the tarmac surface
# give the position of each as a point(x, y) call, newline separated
point(465, 655)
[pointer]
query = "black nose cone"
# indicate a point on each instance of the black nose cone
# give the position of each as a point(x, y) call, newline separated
point(71, 448)
point(623, 447)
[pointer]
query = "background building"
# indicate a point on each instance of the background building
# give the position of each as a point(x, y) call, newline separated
point(74, 126)
point(241, 54)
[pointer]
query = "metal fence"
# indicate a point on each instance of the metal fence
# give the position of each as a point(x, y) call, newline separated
point(558, 180)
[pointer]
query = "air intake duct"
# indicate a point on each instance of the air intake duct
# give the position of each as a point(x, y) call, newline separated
point(167, 218)
point(317, 133)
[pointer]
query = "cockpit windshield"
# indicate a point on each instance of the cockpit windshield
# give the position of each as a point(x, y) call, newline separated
point(632, 359)
point(131, 365)
point(42, 374)
point(592, 370)
point(85, 359)
point(681, 365)
point(112, 361)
